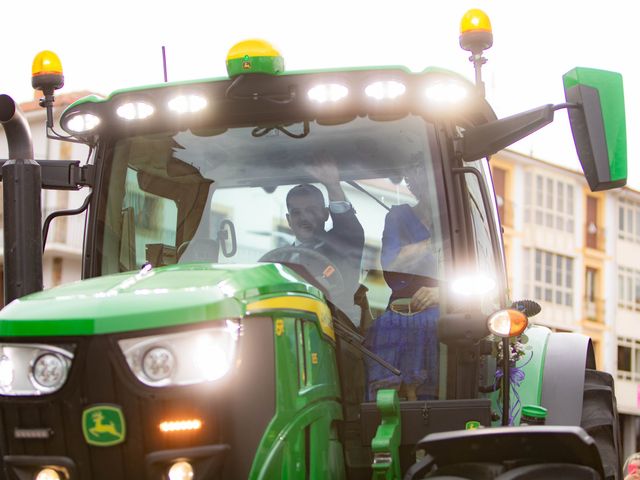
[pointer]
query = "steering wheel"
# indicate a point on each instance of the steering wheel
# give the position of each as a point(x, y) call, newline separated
point(323, 270)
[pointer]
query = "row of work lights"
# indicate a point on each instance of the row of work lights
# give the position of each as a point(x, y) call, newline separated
point(444, 93)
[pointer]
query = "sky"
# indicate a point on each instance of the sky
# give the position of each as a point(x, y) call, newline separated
point(106, 46)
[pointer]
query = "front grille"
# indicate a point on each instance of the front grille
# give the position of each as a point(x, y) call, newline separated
point(100, 375)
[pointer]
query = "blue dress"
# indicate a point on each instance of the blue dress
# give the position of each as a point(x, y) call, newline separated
point(408, 341)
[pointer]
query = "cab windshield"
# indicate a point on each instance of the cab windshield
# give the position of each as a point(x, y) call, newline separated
point(355, 208)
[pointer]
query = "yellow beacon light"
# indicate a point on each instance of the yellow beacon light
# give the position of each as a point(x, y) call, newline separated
point(254, 56)
point(46, 72)
point(475, 31)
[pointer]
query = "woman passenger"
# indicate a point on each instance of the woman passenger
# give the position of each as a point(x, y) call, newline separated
point(405, 335)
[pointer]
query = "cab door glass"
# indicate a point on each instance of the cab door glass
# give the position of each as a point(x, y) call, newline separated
point(149, 225)
point(483, 244)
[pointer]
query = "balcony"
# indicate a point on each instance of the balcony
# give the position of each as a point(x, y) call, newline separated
point(593, 309)
point(594, 236)
point(506, 208)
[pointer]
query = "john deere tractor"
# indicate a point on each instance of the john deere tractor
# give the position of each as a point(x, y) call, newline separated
point(236, 262)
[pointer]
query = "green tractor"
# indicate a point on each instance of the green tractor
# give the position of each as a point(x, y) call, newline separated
point(294, 275)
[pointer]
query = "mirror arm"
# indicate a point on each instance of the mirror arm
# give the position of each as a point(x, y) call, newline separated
point(489, 138)
point(566, 105)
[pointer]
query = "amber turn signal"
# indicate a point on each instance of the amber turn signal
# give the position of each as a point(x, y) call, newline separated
point(507, 323)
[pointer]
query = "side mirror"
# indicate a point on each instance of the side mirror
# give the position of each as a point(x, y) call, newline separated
point(598, 125)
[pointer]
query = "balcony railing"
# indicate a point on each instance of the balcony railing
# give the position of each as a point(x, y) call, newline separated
point(593, 309)
point(594, 236)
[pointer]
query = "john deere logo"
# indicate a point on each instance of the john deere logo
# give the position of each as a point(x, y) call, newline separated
point(103, 425)
point(472, 425)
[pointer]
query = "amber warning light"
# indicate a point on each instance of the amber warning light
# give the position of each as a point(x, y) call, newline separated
point(475, 31)
point(46, 72)
point(189, 425)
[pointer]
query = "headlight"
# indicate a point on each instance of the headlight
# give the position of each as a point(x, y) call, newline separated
point(473, 285)
point(82, 123)
point(327, 93)
point(49, 372)
point(29, 369)
point(135, 111)
point(385, 90)
point(183, 358)
point(187, 104)
point(446, 93)
point(158, 363)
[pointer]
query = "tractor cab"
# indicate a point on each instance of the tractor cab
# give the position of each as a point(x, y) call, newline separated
point(347, 181)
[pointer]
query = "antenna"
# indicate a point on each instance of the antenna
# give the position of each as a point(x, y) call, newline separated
point(164, 64)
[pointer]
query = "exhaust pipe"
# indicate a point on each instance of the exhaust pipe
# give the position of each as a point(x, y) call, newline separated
point(16, 128)
point(22, 181)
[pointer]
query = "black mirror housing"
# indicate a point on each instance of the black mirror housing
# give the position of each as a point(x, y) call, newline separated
point(597, 118)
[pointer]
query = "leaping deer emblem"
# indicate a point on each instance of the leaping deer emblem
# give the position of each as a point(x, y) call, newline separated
point(99, 427)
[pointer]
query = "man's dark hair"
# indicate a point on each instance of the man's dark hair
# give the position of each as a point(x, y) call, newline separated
point(305, 189)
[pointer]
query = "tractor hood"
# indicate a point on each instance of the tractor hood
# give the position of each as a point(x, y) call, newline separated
point(150, 298)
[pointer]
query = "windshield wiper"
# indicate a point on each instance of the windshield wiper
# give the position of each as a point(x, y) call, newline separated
point(262, 131)
point(360, 188)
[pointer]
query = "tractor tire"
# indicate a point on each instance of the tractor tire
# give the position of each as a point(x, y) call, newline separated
point(600, 420)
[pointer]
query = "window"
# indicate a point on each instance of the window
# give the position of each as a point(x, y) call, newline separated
point(628, 359)
point(629, 288)
point(629, 221)
point(146, 220)
point(485, 254)
point(500, 178)
point(549, 202)
point(593, 305)
point(591, 277)
point(593, 231)
point(57, 271)
point(551, 279)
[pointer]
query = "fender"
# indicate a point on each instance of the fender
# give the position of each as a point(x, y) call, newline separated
point(567, 356)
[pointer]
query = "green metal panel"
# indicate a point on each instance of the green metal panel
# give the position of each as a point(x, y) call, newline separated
point(386, 444)
point(306, 408)
point(162, 297)
point(609, 86)
point(270, 65)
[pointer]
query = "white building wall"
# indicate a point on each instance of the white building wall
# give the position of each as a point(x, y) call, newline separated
point(518, 240)
point(610, 345)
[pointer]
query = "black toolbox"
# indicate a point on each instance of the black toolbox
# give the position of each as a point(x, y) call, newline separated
point(420, 418)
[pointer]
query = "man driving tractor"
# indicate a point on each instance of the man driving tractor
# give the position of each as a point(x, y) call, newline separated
point(344, 243)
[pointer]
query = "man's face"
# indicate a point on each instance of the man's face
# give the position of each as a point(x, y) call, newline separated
point(307, 216)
